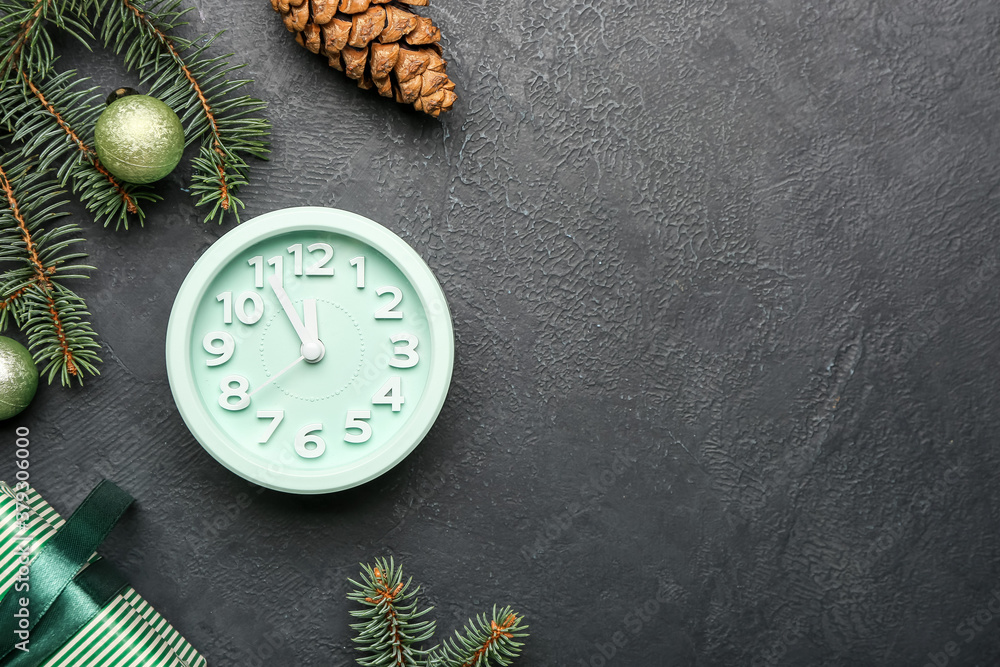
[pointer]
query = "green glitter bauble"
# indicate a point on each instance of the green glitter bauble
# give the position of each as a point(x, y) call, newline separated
point(18, 377)
point(139, 139)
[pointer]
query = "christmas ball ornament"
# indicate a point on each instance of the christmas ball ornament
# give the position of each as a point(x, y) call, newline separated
point(18, 377)
point(139, 139)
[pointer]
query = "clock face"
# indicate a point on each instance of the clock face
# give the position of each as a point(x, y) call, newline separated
point(309, 350)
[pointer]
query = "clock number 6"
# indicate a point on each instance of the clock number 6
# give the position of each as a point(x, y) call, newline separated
point(355, 420)
point(305, 437)
point(239, 392)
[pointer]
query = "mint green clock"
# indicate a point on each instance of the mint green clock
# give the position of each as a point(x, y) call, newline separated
point(309, 350)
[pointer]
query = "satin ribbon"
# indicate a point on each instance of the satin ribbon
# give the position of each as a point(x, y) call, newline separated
point(62, 599)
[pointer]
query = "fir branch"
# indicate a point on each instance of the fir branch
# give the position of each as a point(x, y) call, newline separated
point(27, 23)
point(53, 117)
point(60, 121)
point(389, 631)
point(6, 304)
point(179, 73)
point(484, 640)
point(30, 109)
point(53, 317)
point(390, 627)
point(27, 46)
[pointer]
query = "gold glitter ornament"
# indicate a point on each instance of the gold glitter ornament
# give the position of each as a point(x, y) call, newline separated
point(18, 377)
point(139, 139)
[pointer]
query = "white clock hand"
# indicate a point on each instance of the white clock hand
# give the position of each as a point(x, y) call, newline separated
point(312, 348)
point(309, 318)
point(275, 377)
point(286, 304)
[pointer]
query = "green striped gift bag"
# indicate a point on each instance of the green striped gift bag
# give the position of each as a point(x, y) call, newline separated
point(55, 612)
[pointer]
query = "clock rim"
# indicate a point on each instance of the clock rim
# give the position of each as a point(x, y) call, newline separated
point(222, 446)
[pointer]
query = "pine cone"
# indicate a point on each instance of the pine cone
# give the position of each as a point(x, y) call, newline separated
point(379, 43)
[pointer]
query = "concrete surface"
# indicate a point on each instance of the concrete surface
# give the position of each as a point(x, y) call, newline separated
point(724, 284)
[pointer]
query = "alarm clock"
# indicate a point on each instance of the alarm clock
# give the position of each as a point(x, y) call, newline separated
point(309, 350)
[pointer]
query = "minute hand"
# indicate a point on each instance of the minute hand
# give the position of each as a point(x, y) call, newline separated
point(304, 334)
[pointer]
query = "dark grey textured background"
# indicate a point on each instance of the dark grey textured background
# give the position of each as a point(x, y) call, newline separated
point(724, 283)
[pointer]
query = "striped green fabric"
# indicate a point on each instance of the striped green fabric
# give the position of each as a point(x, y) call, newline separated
point(128, 632)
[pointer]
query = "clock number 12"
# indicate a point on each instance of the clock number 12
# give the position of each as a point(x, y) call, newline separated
point(318, 267)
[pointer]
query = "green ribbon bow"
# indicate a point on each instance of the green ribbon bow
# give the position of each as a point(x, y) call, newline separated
point(62, 599)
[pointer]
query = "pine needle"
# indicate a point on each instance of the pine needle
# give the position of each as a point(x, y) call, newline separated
point(42, 256)
point(484, 642)
point(54, 119)
point(390, 630)
point(50, 117)
point(26, 45)
point(179, 73)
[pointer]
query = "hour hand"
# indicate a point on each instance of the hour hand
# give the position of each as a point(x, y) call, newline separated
point(312, 349)
point(309, 318)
